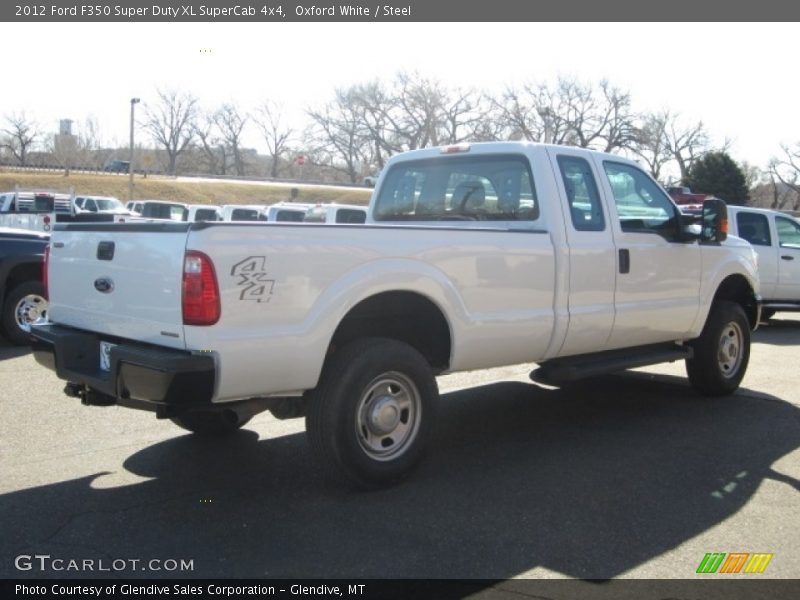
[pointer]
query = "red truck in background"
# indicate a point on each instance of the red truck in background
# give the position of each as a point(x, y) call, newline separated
point(687, 201)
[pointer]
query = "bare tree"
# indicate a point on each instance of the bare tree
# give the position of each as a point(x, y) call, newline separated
point(569, 112)
point(216, 155)
point(786, 170)
point(651, 144)
point(269, 119)
point(170, 122)
point(464, 117)
point(415, 112)
point(752, 174)
point(21, 135)
point(686, 143)
point(231, 123)
point(338, 136)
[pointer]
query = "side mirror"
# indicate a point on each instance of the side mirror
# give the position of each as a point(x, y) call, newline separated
point(715, 220)
point(689, 229)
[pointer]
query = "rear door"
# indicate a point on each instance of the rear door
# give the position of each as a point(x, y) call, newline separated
point(592, 261)
point(122, 280)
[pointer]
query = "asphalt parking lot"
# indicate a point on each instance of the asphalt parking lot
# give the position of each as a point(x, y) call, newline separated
point(625, 476)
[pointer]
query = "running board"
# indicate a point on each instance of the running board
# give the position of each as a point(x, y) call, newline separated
point(779, 306)
point(564, 370)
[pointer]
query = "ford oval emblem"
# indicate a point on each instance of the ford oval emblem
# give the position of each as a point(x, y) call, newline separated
point(104, 285)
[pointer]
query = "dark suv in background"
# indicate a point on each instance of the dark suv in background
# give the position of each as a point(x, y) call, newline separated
point(117, 166)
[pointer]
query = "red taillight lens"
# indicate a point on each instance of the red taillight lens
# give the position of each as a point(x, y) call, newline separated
point(45, 268)
point(201, 304)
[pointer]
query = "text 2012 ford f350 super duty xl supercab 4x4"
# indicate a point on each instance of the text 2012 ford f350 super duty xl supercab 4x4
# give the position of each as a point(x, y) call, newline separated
point(471, 257)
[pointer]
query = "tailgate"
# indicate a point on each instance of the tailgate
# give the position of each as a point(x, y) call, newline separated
point(122, 280)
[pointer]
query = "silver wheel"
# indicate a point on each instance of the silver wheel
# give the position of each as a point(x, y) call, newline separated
point(30, 310)
point(388, 416)
point(729, 354)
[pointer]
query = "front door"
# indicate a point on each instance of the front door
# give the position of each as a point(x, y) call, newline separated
point(657, 293)
point(788, 232)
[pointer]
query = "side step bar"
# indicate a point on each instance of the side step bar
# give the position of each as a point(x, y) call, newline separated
point(779, 306)
point(564, 370)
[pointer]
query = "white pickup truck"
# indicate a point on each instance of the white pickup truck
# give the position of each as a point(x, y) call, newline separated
point(33, 210)
point(471, 257)
point(775, 236)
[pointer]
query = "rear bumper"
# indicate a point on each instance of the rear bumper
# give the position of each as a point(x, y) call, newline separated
point(139, 374)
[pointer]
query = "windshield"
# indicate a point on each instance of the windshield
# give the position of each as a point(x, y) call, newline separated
point(457, 188)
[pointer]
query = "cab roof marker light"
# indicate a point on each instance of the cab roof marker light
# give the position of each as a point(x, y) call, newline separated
point(455, 148)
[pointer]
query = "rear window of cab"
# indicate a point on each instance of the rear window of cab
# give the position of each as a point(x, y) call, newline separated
point(459, 188)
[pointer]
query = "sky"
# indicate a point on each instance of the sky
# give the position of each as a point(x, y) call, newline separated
point(738, 78)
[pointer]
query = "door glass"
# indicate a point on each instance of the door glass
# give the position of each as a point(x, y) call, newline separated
point(788, 233)
point(641, 205)
point(754, 228)
point(582, 195)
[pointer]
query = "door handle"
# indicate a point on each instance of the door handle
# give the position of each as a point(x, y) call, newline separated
point(624, 260)
point(787, 257)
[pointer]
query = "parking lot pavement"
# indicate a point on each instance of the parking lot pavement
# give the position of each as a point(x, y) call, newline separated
point(631, 475)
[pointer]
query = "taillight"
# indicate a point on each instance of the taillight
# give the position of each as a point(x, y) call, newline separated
point(201, 304)
point(45, 268)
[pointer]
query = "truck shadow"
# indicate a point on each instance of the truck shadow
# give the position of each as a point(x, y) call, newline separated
point(8, 351)
point(779, 332)
point(589, 482)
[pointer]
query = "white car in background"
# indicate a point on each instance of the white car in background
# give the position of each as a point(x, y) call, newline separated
point(100, 205)
point(371, 180)
point(203, 212)
point(242, 212)
point(287, 212)
point(775, 236)
point(336, 213)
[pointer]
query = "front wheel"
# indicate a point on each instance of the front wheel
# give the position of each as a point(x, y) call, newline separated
point(370, 416)
point(24, 306)
point(722, 351)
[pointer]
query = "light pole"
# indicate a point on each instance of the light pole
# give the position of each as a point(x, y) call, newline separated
point(134, 102)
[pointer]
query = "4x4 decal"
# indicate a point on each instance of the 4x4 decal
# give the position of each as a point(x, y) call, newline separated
point(253, 282)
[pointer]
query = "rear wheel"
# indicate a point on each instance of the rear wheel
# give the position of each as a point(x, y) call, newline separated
point(722, 351)
point(210, 423)
point(24, 306)
point(370, 417)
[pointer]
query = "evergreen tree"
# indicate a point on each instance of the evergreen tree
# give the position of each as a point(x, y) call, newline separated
point(717, 174)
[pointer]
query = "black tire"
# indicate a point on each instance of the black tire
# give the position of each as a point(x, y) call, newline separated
point(209, 423)
point(722, 351)
point(24, 304)
point(371, 415)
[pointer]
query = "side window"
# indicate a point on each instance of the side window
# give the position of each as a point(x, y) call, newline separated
point(788, 233)
point(582, 195)
point(350, 215)
point(641, 205)
point(754, 228)
point(290, 216)
point(90, 205)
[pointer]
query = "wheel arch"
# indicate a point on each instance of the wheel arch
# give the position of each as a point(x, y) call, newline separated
point(17, 273)
point(736, 288)
point(407, 316)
